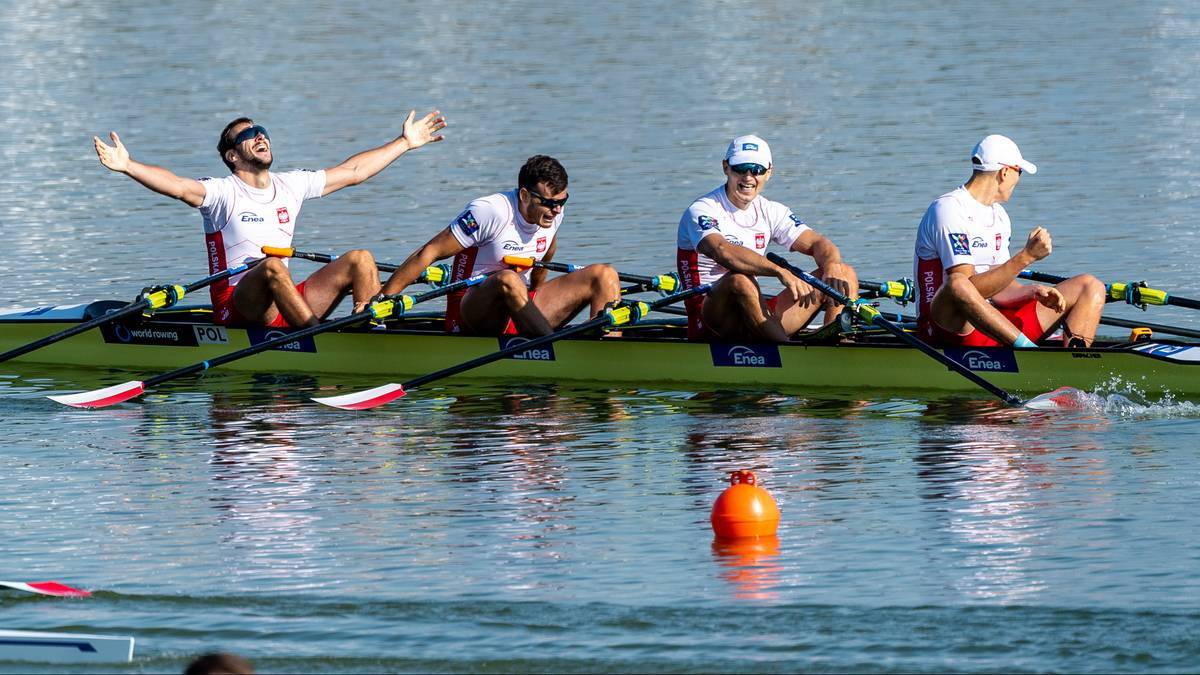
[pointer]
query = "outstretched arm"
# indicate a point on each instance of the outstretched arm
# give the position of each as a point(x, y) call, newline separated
point(115, 157)
point(362, 166)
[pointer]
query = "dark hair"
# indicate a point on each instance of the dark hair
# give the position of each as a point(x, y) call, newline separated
point(542, 169)
point(219, 663)
point(225, 142)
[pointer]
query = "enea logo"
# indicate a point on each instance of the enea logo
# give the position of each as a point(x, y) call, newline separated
point(250, 217)
point(543, 353)
point(744, 356)
point(259, 335)
point(978, 242)
point(984, 360)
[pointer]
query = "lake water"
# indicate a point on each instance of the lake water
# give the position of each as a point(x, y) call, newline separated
point(498, 528)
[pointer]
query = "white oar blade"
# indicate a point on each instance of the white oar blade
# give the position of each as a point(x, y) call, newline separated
point(100, 398)
point(47, 588)
point(1063, 398)
point(366, 399)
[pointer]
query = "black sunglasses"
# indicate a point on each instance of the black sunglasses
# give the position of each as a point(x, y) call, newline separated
point(250, 133)
point(546, 201)
point(752, 169)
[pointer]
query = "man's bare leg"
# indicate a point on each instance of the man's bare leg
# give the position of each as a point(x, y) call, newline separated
point(486, 308)
point(267, 291)
point(354, 272)
point(561, 298)
point(1084, 295)
point(735, 310)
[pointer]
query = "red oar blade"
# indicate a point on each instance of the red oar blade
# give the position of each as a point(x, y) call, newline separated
point(101, 398)
point(1063, 398)
point(47, 588)
point(366, 399)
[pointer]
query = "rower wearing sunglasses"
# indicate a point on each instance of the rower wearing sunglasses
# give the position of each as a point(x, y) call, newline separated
point(723, 239)
point(254, 207)
point(967, 289)
point(521, 222)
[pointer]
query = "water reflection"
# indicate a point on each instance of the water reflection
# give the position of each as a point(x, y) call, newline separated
point(750, 565)
point(988, 479)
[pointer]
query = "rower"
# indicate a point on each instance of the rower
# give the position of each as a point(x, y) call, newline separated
point(966, 281)
point(722, 239)
point(520, 222)
point(254, 207)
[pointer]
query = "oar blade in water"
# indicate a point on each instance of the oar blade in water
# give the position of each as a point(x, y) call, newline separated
point(366, 399)
point(53, 588)
point(1063, 398)
point(102, 398)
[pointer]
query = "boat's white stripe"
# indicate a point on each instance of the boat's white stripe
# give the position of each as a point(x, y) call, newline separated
point(21, 645)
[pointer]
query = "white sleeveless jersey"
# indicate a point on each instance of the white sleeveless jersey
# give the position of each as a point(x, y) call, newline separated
point(239, 219)
point(762, 221)
point(492, 227)
point(957, 230)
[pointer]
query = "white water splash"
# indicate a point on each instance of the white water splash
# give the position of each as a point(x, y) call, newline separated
point(1124, 399)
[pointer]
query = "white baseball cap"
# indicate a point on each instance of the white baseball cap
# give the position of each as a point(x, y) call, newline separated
point(748, 150)
point(997, 151)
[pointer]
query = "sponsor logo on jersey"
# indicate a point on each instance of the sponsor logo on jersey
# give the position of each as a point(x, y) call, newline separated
point(998, 239)
point(733, 240)
point(466, 223)
point(749, 146)
point(283, 216)
point(541, 245)
point(795, 220)
point(991, 360)
point(250, 217)
point(760, 240)
point(260, 334)
point(707, 223)
point(744, 356)
point(978, 242)
point(959, 244)
point(542, 353)
point(512, 246)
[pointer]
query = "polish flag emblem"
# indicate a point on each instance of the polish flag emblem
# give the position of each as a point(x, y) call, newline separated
point(541, 245)
point(997, 241)
point(283, 215)
point(760, 240)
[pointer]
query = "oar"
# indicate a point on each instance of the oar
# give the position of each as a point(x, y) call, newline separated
point(667, 283)
point(871, 316)
point(1134, 293)
point(151, 300)
point(53, 588)
point(901, 290)
point(434, 274)
point(386, 306)
point(620, 316)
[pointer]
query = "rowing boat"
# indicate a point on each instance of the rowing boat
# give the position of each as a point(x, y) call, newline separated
point(656, 353)
point(41, 647)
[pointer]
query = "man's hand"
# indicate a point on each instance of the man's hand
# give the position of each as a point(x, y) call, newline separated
point(837, 275)
point(1038, 245)
point(422, 131)
point(804, 294)
point(115, 158)
point(1050, 297)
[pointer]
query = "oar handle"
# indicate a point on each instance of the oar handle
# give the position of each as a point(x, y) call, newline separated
point(282, 252)
point(873, 317)
point(667, 283)
point(383, 307)
point(901, 290)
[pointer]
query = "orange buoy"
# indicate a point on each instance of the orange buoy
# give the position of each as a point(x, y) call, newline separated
point(744, 509)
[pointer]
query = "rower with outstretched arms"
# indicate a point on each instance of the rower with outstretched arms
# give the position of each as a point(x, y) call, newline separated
point(967, 291)
point(254, 207)
point(521, 222)
point(722, 239)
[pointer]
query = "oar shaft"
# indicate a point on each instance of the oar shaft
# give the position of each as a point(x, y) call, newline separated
point(1135, 295)
point(877, 319)
point(135, 307)
point(664, 282)
point(318, 257)
point(598, 322)
point(287, 338)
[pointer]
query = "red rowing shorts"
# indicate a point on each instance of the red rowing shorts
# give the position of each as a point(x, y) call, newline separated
point(1024, 317)
point(225, 314)
point(455, 323)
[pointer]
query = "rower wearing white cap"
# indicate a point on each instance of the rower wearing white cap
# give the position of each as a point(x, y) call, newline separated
point(966, 281)
point(723, 238)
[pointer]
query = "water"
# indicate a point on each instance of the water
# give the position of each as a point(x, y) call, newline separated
point(544, 528)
